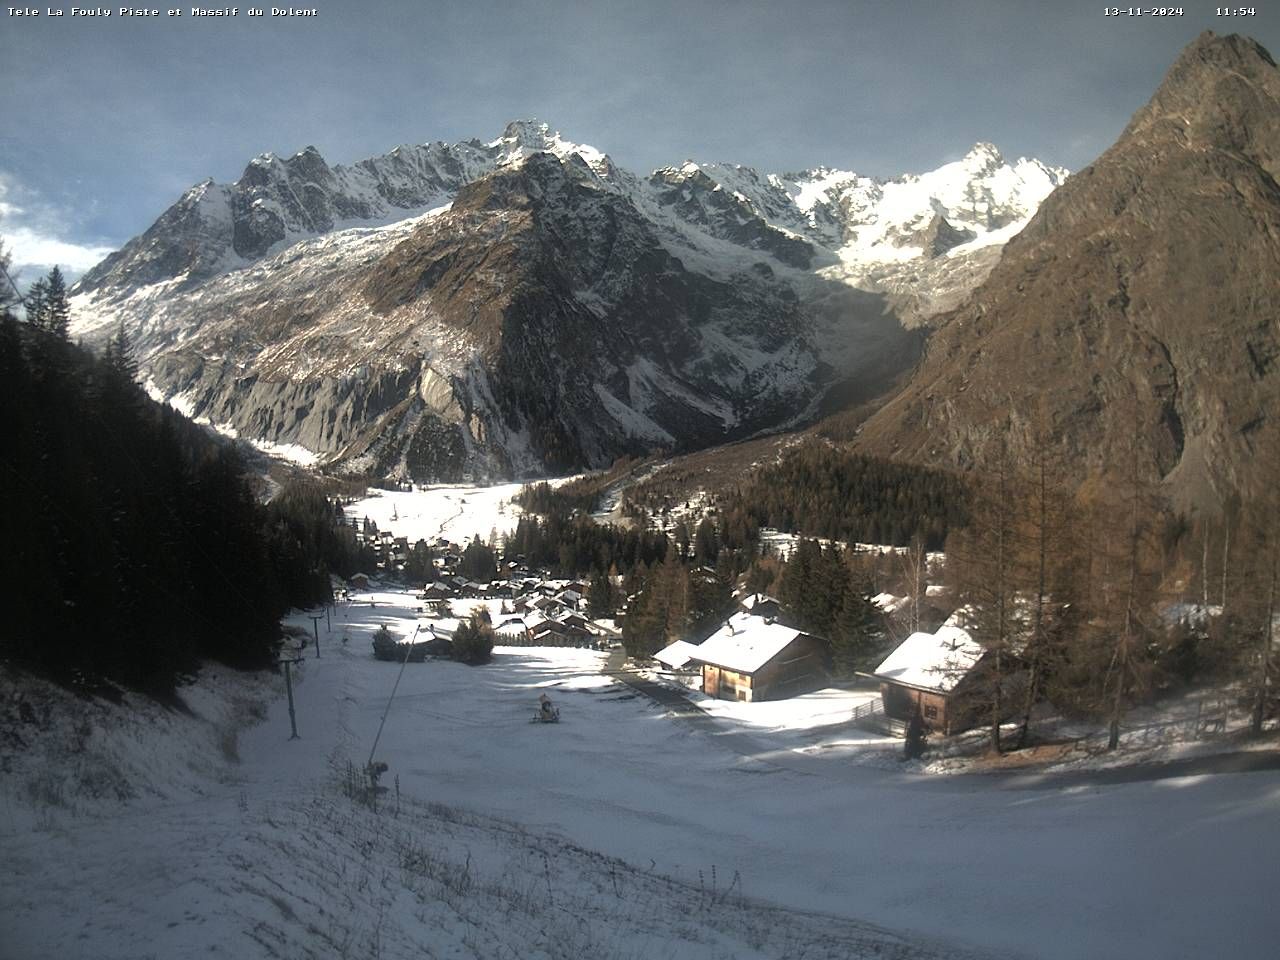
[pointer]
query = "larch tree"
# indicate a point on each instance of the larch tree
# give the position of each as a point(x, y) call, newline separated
point(988, 582)
point(1048, 562)
point(1123, 621)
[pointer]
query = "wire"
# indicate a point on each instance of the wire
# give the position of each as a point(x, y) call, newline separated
point(403, 663)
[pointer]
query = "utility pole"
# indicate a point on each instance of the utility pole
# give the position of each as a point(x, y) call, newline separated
point(315, 628)
point(288, 686)
point(328, 619)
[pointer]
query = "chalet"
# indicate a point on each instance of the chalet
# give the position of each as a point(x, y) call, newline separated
point(756, 658)
point(936, 674)
point(579, 636)
point(761, 604)
point(576, 621)
point(436, 591)
point(677, 655)
point(570, 598)
point(359, 581)
point(545, 630)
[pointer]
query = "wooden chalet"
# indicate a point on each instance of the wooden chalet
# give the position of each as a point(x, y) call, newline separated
point(757, 658)
point(761, 604)
point(677, 655)
point(939, 674)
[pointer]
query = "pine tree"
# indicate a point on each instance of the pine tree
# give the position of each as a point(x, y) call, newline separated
point(36, 304)
point(479, 562)
point(602, 599)
point(9, 296)
point(58, 307)
point(856, 631)
point(473, 640)
point(705, 547)
point(119, 355)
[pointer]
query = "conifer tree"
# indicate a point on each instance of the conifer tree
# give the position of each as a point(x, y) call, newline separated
point(705, 547)
point(119, 355)
point(36, 304)
point(856, 630)
point(58, 307)
point(9, 296)
point(602, 598)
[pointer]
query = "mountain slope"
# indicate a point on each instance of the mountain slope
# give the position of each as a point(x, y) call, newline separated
point(524, 305)
point(1138, 306)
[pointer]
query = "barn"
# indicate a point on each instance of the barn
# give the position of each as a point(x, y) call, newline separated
point(937, 674)
point(757, 658)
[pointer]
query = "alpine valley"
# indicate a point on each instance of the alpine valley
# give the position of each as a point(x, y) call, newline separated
point(524, 306)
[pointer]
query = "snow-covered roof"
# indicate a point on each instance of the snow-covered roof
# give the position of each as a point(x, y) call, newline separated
point(444, 628)
point(677, 654)
point(751, 601)
point(745, 644)
point(889, 603)
point(933, 661)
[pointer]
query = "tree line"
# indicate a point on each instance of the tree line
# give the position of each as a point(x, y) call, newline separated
point(134, 544)
point(822, 491)
point(1098, 596)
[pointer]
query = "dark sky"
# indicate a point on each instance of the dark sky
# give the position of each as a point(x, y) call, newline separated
point(108, 120)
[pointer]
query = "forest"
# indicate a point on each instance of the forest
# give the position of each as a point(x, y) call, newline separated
point(134, 540)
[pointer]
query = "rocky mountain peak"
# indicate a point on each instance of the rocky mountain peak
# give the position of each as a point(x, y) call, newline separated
point(1138, 302)
point(982, 159)
point(1221, 93)
point(530, 134)
point(519, 304)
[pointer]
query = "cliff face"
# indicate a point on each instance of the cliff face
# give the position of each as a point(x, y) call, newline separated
point(1139, 305)
point(525, 306)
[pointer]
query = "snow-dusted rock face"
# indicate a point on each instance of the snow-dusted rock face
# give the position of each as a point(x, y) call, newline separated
point(524, 305)
point(1131, 325)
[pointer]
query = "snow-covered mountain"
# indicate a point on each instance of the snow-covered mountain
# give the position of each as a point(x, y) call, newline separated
point(523, 304)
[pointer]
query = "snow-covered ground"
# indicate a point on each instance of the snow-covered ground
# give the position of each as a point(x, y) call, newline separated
point(454, 511)
point(781, 544)
point(501, 840)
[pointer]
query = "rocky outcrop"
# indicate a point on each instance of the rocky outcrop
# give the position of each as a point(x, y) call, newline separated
point(1137, 308)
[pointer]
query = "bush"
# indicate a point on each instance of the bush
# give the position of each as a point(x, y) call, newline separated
point(473, 640)
point(384, 645)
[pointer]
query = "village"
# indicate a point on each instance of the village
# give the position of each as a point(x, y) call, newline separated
point(933, 683)
point(737, 785)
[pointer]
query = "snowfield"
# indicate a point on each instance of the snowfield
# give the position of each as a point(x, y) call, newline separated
point(621, 832)
point(454, 511)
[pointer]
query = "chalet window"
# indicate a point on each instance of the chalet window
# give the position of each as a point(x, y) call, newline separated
point(931, 713)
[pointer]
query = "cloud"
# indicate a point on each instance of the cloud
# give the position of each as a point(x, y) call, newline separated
point(37, 234)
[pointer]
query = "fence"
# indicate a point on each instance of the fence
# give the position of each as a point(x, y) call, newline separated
point(871, 716)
